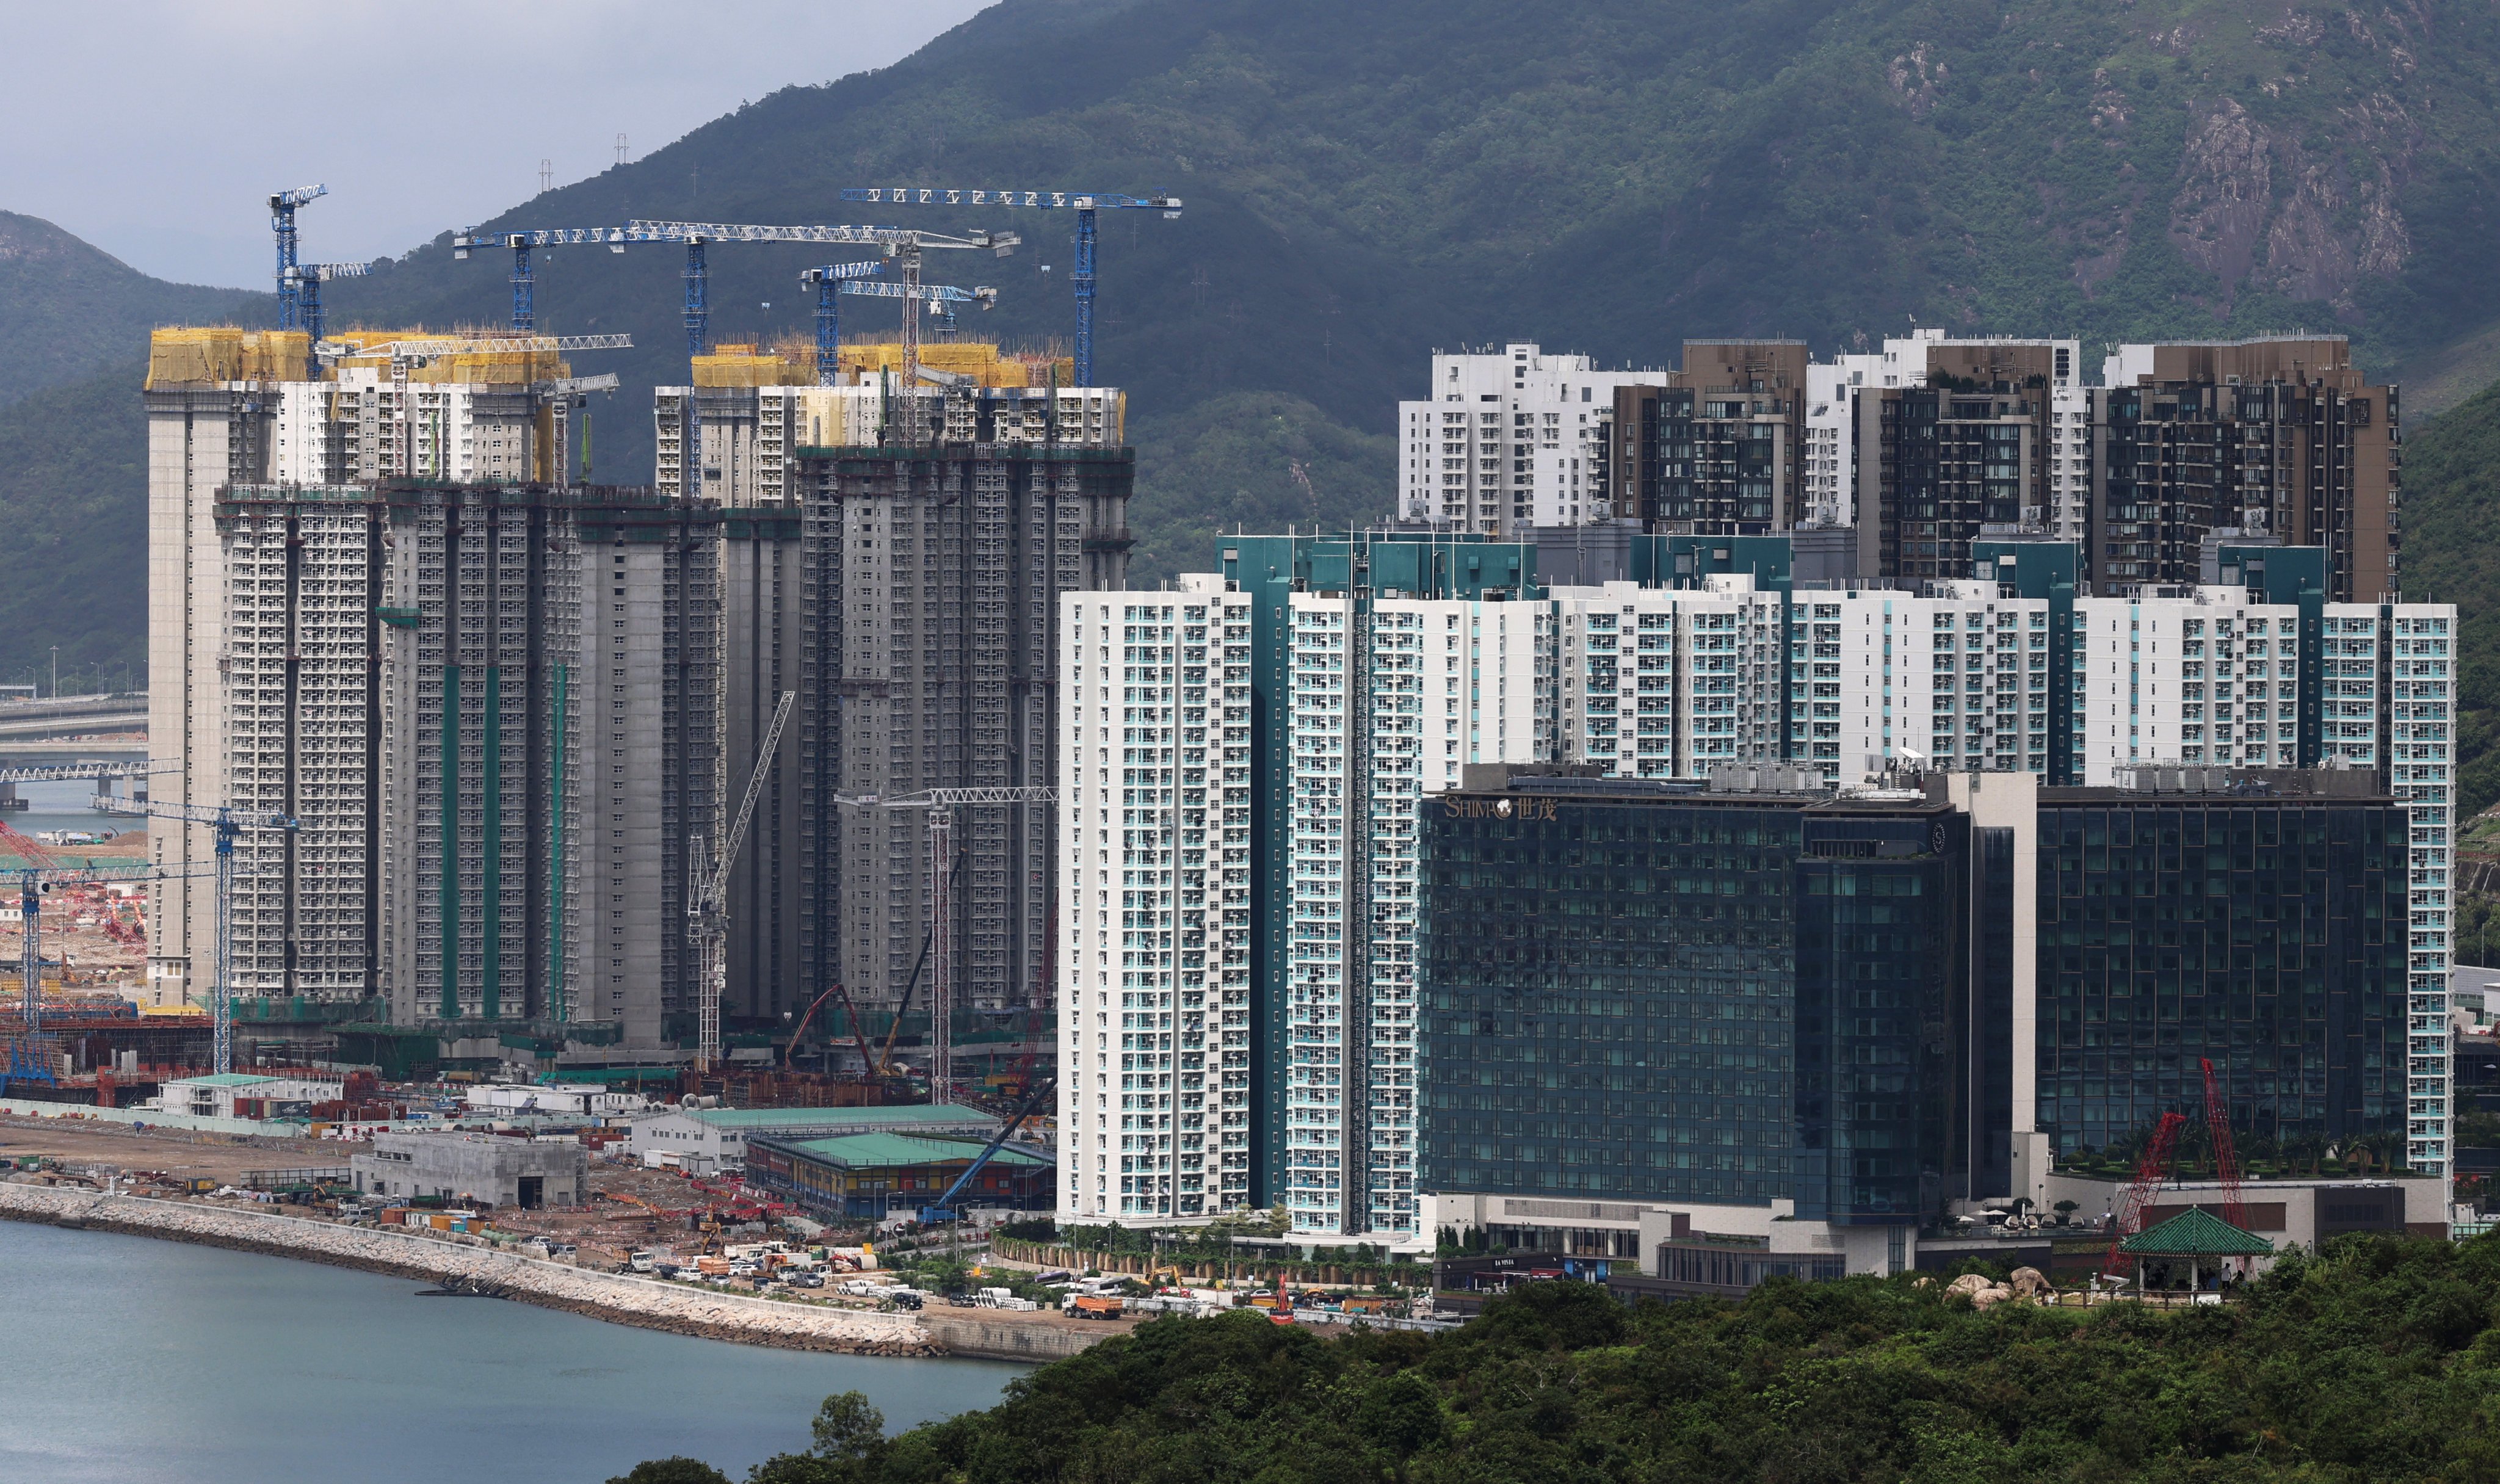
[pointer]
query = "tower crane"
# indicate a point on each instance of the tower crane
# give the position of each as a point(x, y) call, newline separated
point(228, 824)
point(904, 245)
point(837, 279)
point(707, 896)
point(34, 883)
point(308, 278)
point(695, 236)
point(282, 221)
point(941, 803)
point(1084, 203)
point(524, 280)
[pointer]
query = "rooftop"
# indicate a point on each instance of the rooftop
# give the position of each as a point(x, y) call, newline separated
point(858, 1151)
point(2196, 1232)
point(858, 1118)
point(225, 1079)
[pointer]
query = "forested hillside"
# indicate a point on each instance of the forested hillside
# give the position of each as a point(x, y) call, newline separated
point(2451, 511)
point(2378, 1362)
point(1365, 182)
point(68, 309)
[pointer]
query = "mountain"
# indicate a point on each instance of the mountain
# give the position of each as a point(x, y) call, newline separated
point(68, 309)
point(1366, 182)
point(2452, 508)
point(74, 482)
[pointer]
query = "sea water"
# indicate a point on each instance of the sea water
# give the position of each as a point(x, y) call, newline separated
point(132, 1358)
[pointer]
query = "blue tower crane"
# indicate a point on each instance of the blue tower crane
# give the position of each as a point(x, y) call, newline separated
point(524, 280)
point(228, 825)
point(695, 236)
point(1085, 204)
point(837, 279)
point(282, 221)
point(308, 278)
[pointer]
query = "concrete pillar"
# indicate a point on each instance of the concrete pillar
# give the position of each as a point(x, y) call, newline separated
point(9, 799)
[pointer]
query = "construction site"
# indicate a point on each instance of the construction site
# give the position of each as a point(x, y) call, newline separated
point(734, 790)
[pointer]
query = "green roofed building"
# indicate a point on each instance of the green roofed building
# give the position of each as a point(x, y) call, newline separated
point(869, 1174)
point(704, 1139)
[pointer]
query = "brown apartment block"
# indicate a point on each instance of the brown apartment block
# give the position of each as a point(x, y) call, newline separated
point(1718, 447)
point(1937, 462)
point(2281, 435)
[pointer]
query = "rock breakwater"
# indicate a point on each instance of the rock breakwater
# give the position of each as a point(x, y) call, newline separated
point(649, 1302)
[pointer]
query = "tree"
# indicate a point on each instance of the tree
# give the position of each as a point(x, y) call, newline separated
point(847, 1428)
point(671, 1470)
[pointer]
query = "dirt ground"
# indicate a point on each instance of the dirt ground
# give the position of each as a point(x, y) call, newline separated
point(170, 1150)
point(76, 919)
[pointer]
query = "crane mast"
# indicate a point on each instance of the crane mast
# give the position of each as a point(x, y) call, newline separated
point(941, 803)
point(1086, 204)
point(228, 824)
point(707, 901)
point(2132, 1201)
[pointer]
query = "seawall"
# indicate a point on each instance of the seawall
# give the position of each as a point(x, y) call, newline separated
point(618, 1298)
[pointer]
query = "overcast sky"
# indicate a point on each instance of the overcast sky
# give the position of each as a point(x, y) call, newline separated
point(156, 131)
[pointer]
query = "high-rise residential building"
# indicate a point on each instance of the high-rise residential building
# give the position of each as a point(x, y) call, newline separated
point(1707, 659)
point(907, 593)
point(302, 573)
point(1508, 439)
point(1718, 447)
point(1967, 449)
point(229, 408)
point(2278, 435)
point(550, 742)
point(1834, 452)
point(1155, 1007)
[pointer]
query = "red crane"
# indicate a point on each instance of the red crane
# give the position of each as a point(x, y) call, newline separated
point(2148, 1174)
point(27, 850)
point(2226, 1159)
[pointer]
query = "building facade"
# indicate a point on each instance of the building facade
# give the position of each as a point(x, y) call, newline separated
point(250, 411)
point(1696, 1008)
point(1509, 439)
point(2278, 435)
point(906, 592)
point(302, 567)
point(1154, 865)
point(550, 738)
point(2255, 922)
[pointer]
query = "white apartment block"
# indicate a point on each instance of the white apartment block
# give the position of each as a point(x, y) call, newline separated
point(1377, 726)
point(300, 597)
point(1508, 439)
point(1660, 683)
point(230, 407)
point(1154, 994)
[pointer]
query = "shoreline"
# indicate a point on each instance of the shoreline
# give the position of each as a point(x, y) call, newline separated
point(614, 1297)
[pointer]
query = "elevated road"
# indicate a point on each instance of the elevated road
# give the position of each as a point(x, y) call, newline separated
point(21, 753)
